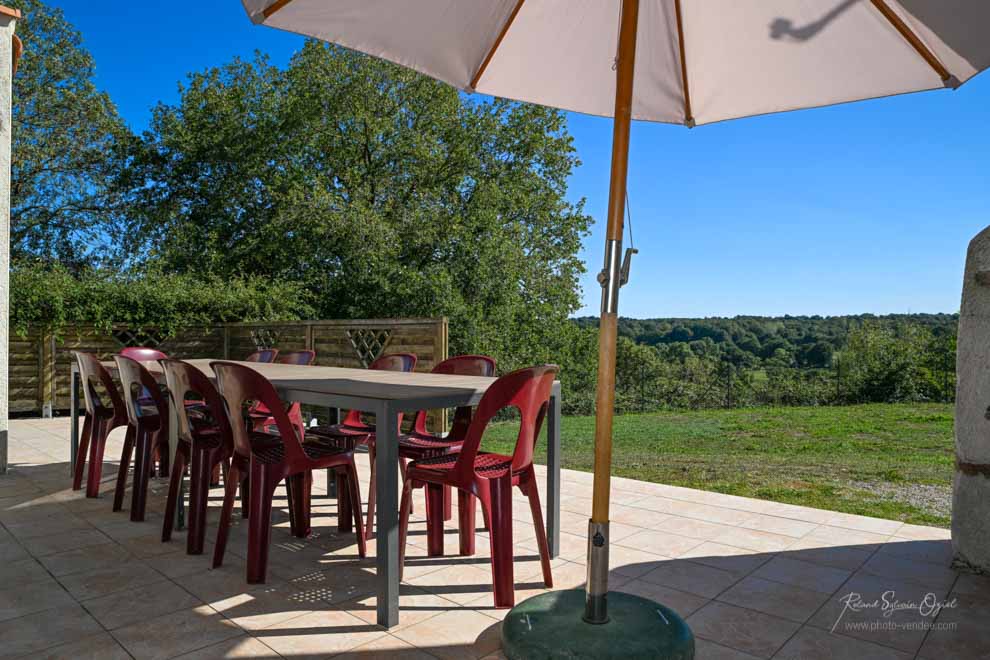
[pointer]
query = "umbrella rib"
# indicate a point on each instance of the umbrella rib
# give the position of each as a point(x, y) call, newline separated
point(498, 42)
point(688, 117)
point(274, 7)
point(913, 39)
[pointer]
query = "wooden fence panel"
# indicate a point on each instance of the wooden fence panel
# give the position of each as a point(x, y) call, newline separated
point(40, 364)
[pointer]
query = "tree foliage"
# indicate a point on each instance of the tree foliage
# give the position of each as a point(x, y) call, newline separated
point(381, 191)
point(67, 146)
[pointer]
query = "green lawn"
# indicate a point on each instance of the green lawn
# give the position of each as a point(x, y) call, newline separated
point(885, 460)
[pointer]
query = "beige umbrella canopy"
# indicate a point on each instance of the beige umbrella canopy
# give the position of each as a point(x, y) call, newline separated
point(688, 62)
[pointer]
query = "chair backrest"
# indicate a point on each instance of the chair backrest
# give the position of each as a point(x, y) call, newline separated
point(389, 362)
point(92, 372)
point(142, 354)
point(526, 390)
point(304, 358)
point(460, 365)
point(183, 378)
point(241, 386)
point(264, 355)
point(138, 383)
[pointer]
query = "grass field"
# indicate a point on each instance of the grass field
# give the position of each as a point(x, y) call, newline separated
point(884, 460)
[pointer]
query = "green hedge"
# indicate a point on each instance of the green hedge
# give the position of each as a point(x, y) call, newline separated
point(52, 297)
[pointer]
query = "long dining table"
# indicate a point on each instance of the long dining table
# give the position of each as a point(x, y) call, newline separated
point(386, 395)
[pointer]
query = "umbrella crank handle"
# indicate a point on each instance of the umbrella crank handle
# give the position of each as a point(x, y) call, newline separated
point(614, 275)
point(626, 263)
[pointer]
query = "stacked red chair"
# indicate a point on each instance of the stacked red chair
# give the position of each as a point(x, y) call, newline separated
point(261, 416)
point(270, 458)
point(149, 424)
point(205, 442)
point(263, 355)
point(490, 477)
point(103, 415)
point(353, 431)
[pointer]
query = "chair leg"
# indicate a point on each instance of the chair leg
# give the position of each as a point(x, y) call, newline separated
point(223, 529)
point(215, 475)
point(434, 520)
point(245, 485)
point(143, 451)
point(175, 480)
point(405, 508)
point(369, 527)
point(200, 474)
point(87, 431)
point(163, 451)
point(263, 484)
point(447, 508)
point(528, 487)
point(347, 510)
point(354, 496)
point(97, 445)
point(300, 487)
point(125, 462)
point(500, 504)
point(466, 508)
point(402, 471)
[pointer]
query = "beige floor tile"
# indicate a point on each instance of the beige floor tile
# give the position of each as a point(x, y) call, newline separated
point(716, 514)
point(922, 533)
point(455, 634)
point(934, 552)
point(692, 528)
point(824, 579)
point(665, 544)
point(96, 647)
point(20, 574)
point(858, 610)
point(863, 524)
point(460, 584)
point(135, 605)
point(962, 631)
point(694, 578)
point(81, 560)
point(177, 633)
point(238, 648)
point(37, 597)
point(783, 600)
point(216, 584)
point(11, 551)
point(924, 573)
point(268, 606)
point(103, 581)
point(386, 647)
point(826, 536)
point(319, 634)
point(752, 539)
point(415, 605)
point(738, 561)
point(777, 525)
point(706, 650)
point(631, 562)
point(816, 644)
point(29, 635)
point(681, 602)
point(973, 585)
point(41, 546)
point(810, 550)
point(635, 516)
point(745, 630)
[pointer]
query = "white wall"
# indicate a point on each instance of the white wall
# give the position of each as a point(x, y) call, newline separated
point(7, 24)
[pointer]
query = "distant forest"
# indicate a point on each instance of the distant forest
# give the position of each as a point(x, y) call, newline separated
point(755, 361)
point(746, 341)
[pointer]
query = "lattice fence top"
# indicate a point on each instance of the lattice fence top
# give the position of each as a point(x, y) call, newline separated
point(368, 343)
point(264, 338)
point(142, 337)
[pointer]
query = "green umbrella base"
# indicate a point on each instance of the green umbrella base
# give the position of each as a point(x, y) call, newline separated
point(550, 626)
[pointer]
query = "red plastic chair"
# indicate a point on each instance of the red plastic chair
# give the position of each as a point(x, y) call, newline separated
point(420, 443)
point(272, 458)
point(354, 431)
point(263, 355)
point(489, 477)
point(205, 442)
point(150, 433)
point(261, 416)
point(142, 354)
point(100, 419)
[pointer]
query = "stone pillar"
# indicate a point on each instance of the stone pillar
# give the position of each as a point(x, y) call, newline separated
point(8, 21)
point(971, 483)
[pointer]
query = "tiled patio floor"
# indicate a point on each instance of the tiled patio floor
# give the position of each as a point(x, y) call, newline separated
point(754, 579)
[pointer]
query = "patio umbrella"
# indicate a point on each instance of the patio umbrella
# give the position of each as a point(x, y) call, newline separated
point(688, 62)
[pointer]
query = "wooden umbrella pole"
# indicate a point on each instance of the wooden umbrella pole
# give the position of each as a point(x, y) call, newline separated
point(597, 582)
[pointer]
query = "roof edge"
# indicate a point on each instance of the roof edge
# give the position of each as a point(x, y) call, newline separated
point(12, 13)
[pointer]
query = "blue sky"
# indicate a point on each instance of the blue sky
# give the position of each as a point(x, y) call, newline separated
point(865, 207)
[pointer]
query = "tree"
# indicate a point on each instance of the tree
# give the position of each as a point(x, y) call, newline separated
point(65, 146)
point(384, 192)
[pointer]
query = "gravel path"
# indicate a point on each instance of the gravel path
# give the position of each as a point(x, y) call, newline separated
point(932, 499)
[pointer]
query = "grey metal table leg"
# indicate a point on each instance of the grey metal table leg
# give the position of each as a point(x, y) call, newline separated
point(387, 520)
point(74, 420)
point(553, 472)
point(333, 417)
